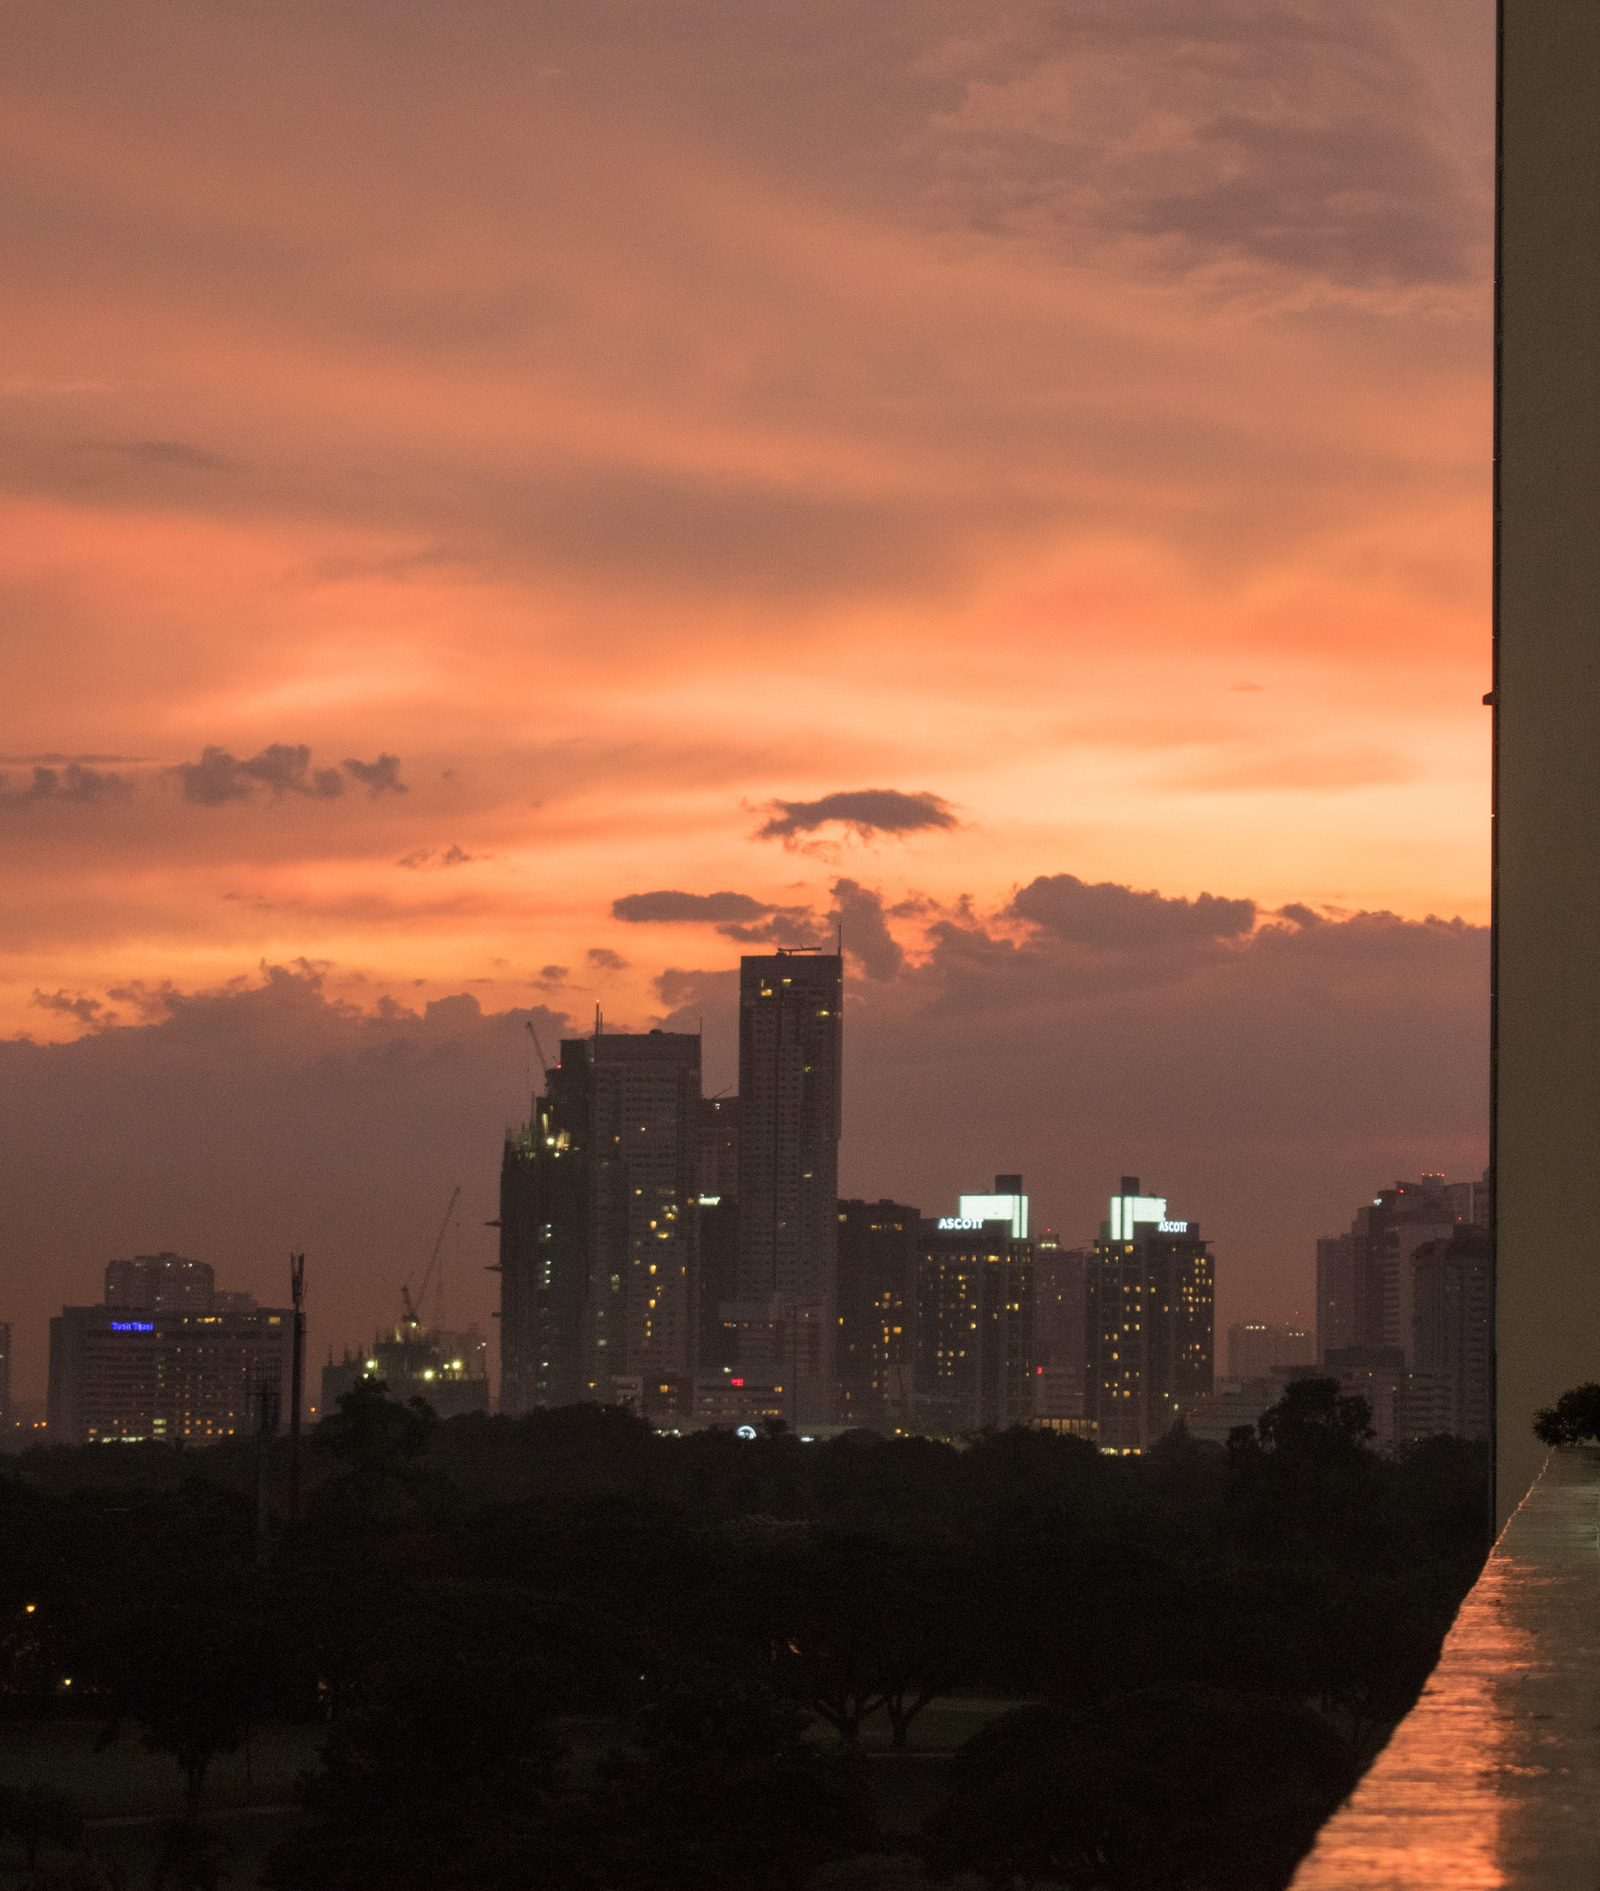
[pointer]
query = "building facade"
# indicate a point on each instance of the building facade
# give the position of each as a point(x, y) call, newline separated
point(1149, 1322)
point(1060, 1287)
point(877, 1301)
point(791, 1044)
point(1366, 1278)
point(161, 1359)
point(974, 1357)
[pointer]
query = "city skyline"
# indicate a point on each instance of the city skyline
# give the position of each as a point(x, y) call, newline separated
point(1074, 595)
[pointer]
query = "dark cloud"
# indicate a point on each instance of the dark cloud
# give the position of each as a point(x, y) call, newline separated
point(285, 768)
point(174, 453)
point(858, 913)
point(1106, 914)
point(865, 811)
point(672, 908)
point(603, 959)
point(77, 784)
point(88, 1011)
point(379, 777)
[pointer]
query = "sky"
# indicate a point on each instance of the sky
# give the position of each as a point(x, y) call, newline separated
point(504, 507)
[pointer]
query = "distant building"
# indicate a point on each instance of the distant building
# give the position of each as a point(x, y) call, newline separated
point(1257, 1348)
point(1149, 1318)
point(974, 1359)
point(790, 1097)
point(449, 1370)
point(877, 1301)
point(160, 1360)
point(598, 1225)
point(5, 1383)
point(1377, 1374)
point(1060, 1284)
point(1366, 1278)
point(1451, 1387)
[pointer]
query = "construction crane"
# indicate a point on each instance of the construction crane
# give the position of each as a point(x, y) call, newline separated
point(413, 1317)
point(544, 1062)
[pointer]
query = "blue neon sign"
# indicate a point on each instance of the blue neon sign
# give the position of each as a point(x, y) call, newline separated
point(133, 1326)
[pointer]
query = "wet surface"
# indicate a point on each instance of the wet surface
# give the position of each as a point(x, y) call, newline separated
point(1493, 1779)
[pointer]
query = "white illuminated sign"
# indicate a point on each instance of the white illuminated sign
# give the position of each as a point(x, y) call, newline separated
point(1174, 1227)
point(960, 1224)
point(1013, 1208)
point(745, 1431)
point(1126, 1210)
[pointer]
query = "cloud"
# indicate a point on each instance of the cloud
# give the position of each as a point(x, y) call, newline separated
point(88, 1011)
point(858, 912)
point(675, 909)
point(380, 777)
point(79, 785)
point(603, 959)
point(282, 768)
point(174, 453)
point(285, 768)
point(865, 811)
point(1107, 914)
point(422, 857)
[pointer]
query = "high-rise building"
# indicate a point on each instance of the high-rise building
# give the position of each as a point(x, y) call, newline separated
point(160, 1360)
point(1148, 1322)
point(1366, 1278)
point(447, 1370)
point(597, 1225)
point(974, 1359)
point(877, 1299)
point(1256, 1348)
point(1059, 1289)
point(790, 1088)
point(1452, 1367)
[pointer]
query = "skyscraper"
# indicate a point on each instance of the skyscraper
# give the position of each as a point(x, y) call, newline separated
point(1149, 1321)
point(597, 1225)
point(1452, 1369)
point(165, 1358)
point(1059, 1288)
point(1365, 1279)
point(790, 1082)
point(877, 1299)
point(975, 1315)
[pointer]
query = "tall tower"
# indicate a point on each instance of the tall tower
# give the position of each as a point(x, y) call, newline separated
point(598, 1249)
point(791, 1043)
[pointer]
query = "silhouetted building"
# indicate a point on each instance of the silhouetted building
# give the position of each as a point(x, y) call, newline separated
point(719, 1147)
point(718, 1227)
point(5, 1384)
point(877, 1299)
point(1060, 1286)
point(597, 1225)
point(1451, 1387)
point(1256, 1348)
point(544, 1251)
point(450, 1370)
point(974, 1313)
point(1365, 1279)
point(790, 1077)
point(161, 1361)
point(165, 1283)
point(1149, 1321)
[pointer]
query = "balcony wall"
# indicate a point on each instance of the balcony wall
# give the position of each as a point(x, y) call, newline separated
point(1493, 1778)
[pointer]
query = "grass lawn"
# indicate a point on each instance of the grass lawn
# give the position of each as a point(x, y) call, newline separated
point(126, 1781)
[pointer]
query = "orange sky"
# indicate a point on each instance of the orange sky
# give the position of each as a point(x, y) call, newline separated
point(629, 417)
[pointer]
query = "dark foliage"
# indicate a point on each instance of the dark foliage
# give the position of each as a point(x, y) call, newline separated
point(1213, 1641)
point(1573, 1419)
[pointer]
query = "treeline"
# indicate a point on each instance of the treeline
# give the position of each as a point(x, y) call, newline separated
point(562, 1650)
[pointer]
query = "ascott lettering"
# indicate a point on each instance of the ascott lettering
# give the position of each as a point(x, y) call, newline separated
point(959, 1224)
point(1174, 1227)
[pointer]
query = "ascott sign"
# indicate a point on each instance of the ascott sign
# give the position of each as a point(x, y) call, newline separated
point(959, 1224)
point(1173, 1227)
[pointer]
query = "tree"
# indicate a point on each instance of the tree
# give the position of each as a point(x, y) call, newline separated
point(1192, 1787)
point(719, 1790)
point(194, 1680)
point(1574, 1417)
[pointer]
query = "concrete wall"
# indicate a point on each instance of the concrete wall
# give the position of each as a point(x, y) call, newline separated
point(1547, 687)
